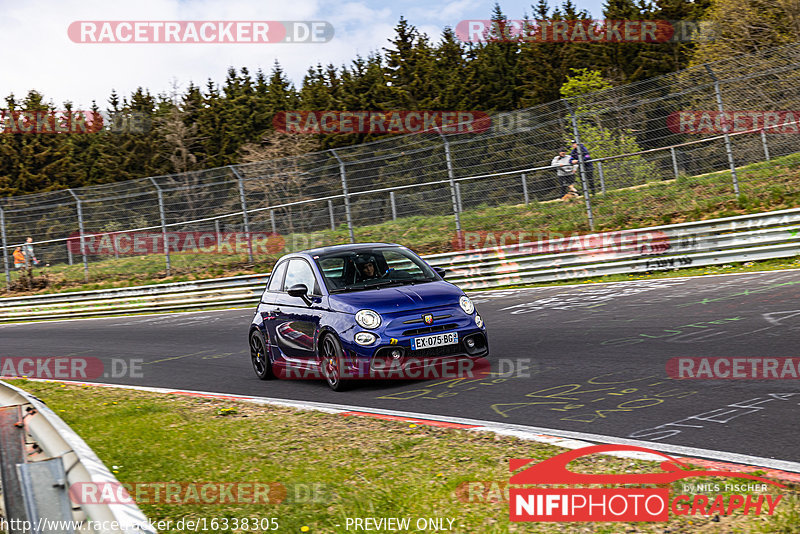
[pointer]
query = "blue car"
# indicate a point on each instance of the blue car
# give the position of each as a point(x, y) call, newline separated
point(371, 310)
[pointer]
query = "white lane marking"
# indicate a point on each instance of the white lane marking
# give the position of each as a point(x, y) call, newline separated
point(545, 435)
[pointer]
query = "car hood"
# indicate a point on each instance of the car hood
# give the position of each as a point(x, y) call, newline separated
point(386, 300)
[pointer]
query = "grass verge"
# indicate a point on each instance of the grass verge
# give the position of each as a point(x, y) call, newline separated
point(354, 467)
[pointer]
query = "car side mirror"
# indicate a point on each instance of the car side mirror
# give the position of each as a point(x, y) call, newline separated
point(441, 272)
point(300, 290)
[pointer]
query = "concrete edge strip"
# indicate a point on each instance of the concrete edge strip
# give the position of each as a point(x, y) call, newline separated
point(778, 469)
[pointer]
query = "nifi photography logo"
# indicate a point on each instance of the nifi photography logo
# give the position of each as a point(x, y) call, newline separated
point(534, 504)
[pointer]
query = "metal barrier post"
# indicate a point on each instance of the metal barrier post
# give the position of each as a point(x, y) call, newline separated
point(577, 135)
point(764, 144)
point(162, 213)
point(451, 176)
point(330, 211)
point(458, 197)
point(245, 220)
point(525, 189)
point(5, 246)
point(674, 161)
point(343, 174)
point(728, 148)
point(602, 177)
point(394, 205)
point(79, 207)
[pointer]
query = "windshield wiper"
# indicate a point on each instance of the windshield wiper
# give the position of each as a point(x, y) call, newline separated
point(379, 283)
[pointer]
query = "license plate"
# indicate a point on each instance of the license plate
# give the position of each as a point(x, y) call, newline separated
point(437, 340)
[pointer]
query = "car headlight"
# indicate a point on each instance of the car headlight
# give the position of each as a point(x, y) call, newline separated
point(365, 338)
point(368, 319)
point(466, 304)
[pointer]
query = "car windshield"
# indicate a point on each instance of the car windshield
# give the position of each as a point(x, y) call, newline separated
point(368, 268)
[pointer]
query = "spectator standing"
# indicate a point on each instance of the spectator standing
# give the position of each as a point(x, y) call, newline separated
point(19, 258)
point(579, 152)
point(29, 255)
point(565, 173)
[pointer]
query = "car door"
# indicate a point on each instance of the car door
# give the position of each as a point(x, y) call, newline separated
point(296, 322)
point(269, 307)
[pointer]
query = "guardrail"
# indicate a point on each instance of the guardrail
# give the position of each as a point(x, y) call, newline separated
point(41, 459)
point(692, 244)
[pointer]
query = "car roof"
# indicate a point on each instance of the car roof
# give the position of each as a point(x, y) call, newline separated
point(355, 247)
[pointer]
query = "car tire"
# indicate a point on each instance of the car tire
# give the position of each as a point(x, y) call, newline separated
point(259, 356)
point(331, 362)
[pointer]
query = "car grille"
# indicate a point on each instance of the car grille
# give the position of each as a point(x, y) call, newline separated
point(420, 320)
point(430, 329)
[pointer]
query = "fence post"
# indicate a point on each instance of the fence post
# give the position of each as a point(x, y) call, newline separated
point(728, 147)
point(674, 161)
point(451, 176)
point(162, 214)
point(218, 232)
point(764, 143)
point(330, 211)
point(79, 206)
point(5, 247)
point(602, 177)
point(577, 135)
point(394, 205)
point(525, 189)
point(69, 253)
point(245, 220)
point(343, 174)
point(272, 219)
point(458, 197)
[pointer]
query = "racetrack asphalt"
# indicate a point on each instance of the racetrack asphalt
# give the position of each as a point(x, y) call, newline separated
point(586, 358)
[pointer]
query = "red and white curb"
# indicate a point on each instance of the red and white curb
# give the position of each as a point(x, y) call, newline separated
point(769, 467)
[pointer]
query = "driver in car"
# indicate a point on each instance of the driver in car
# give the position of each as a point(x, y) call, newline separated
point(368, 270)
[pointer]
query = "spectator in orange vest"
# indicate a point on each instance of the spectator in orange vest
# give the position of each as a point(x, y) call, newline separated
point(19, 258)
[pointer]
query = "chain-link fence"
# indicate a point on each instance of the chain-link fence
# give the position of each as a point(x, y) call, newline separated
point(665, 130)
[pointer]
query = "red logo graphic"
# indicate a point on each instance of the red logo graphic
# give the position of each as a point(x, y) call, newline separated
point(615, 504)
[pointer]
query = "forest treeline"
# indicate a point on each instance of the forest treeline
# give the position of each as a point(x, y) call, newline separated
point(212, 125)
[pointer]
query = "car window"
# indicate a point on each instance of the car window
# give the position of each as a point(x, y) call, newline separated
point(299, 272)
point(276, 278)
point(400, 262)
point(364, 268)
